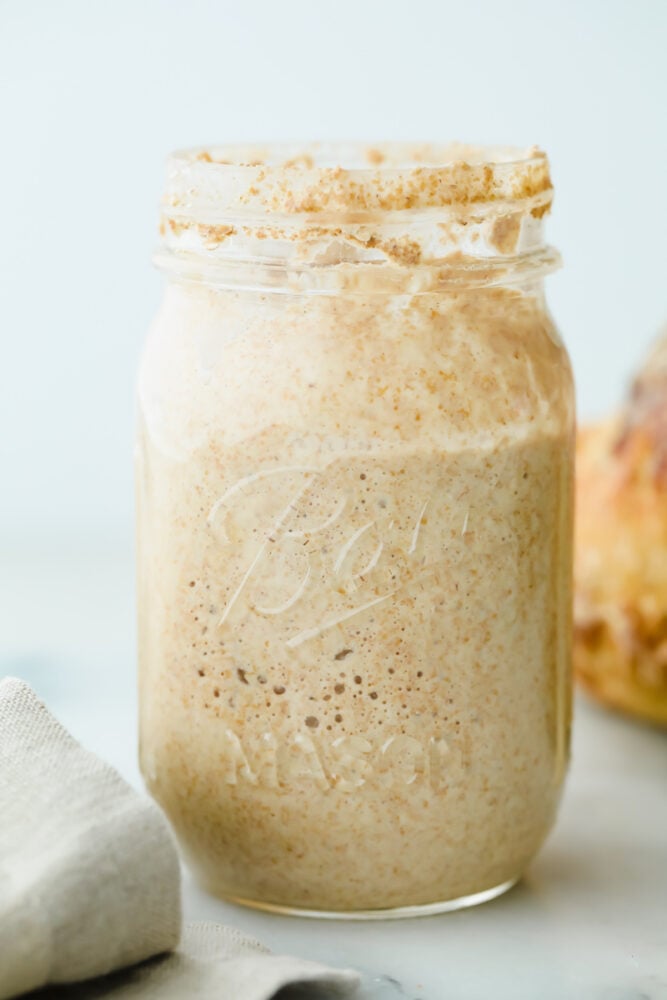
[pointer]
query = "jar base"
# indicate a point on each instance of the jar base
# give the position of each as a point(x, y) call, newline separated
point(392, 913)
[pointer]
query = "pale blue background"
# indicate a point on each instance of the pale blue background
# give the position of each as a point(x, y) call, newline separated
point(93, 94)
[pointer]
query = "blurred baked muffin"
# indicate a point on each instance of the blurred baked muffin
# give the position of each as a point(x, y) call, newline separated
point(620, 615)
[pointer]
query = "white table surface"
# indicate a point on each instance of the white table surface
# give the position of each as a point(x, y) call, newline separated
point(588, 921)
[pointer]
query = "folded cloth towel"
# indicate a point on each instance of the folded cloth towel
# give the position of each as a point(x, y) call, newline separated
point(218, 962)
point(90, 882)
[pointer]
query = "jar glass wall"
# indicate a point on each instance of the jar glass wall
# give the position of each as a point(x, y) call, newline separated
point(354, 482)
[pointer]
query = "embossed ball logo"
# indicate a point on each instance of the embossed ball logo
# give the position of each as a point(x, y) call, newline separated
point(302, 535)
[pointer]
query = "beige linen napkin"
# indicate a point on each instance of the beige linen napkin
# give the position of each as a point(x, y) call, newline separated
point(90, 882)
point(217, 962)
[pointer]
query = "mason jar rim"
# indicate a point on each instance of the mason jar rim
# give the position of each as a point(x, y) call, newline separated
point(387, 215)
point(320, 179)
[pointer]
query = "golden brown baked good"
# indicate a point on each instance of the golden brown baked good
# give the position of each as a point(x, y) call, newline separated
point(620, 615)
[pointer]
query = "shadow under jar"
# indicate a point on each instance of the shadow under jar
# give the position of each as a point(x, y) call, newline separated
point(354, 518)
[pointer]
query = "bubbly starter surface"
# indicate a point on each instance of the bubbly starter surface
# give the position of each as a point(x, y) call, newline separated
point(354, 572)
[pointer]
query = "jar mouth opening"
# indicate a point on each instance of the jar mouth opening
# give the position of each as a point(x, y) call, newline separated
point(334, 178)
point(325, 207)
point(358, 156)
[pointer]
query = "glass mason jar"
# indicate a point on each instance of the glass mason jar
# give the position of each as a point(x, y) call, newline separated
point(355, 485)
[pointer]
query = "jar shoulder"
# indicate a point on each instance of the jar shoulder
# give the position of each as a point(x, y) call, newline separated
point(404, 367)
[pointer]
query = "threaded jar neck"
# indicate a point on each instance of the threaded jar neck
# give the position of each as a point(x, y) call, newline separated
point(324, 216)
